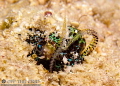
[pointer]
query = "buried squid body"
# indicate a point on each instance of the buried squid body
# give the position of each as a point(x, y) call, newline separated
point(56, 52)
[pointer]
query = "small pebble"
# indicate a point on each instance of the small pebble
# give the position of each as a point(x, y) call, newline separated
point(48, 13)
point(65, 60)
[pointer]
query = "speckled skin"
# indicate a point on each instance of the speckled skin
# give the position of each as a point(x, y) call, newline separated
point(74, 49)
point(82, 51)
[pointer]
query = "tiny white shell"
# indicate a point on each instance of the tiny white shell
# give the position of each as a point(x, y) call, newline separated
point(65, 60)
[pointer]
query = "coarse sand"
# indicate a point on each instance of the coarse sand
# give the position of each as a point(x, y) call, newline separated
point(102, 66)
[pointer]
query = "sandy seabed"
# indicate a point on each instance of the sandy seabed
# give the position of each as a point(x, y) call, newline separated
point(102, 66)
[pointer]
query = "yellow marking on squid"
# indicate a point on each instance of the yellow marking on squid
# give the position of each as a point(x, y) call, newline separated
point(92, 44)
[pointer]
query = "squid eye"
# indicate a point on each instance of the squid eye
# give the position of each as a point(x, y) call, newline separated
point(39, 46)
